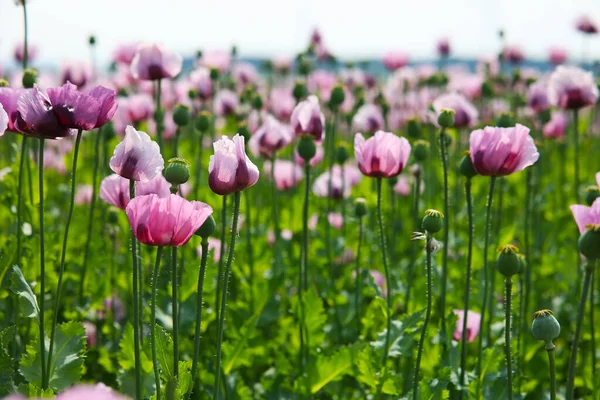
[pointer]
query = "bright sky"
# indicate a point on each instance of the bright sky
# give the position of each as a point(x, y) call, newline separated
point(350, 28)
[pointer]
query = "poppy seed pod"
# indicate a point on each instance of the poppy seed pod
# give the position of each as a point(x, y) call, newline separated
point(591, 194)
point(446, 118)
point(307, 148)
point(545, 327)
point(207, 228)
point(181, 115)
point(505, 120)
point(337, 97)
point(29, 78)
point(203, 121)
point(432, 222)
point(508, 263)
point(421, 150)
point(3, 83)
point(360, 207)
point(589, 242)
point(177, 171)
point(341, 155)
point(299, 91)
point(466, 167)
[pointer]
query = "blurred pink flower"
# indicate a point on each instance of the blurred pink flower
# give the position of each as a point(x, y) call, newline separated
point(320, 82)
point(285, 234)
point(98, 391)
point(586, 25)
point(213, 244)
point(537, 95)
point(167, 221)
point(466, 114)
point(572, 88)
point(383, 155)
point(394, 60)
point(557, 55)
point(585, 215)
point(244, 73)
point(152, 61)
point(402, 187)
point(339, 190)
point(218, 59)
point(19, 53)
point(502, 151)
point(336, 220)
point(368, 118)
point(90, 333)
point(313, 221)
point(3, 120)
point(124, 53)
point(473, 320)
point(114, 189)
point(230, 170)
point(137, 157)
point(282, 103)
point(443, 47)
point(9, 98)
point(307, 119)
point(200, 80)
point(77, 72)
point(555, 128)
point(282, 64)
point(136, 107)
point(83, 195)
point(513, 54)
point(271, 137)
point(226, 102)
point(287, 174)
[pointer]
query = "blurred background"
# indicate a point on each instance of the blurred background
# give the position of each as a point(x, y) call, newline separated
point(351, 29)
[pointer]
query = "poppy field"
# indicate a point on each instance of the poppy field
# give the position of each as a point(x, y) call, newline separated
point(207, 226)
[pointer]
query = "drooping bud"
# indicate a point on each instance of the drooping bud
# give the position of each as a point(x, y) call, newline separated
point(589, 242)
point(92, 40)
point(466, 166)
point(207, 228)
point(360, 207)
point(591, 194)
point(446, 118)
point(432, 222)
point(181, 114)
point(509, 262)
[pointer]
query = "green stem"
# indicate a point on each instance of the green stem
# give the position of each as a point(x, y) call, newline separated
point(42, 267)
point(159, 253)
point(158, 117)
point(175, 316)
point(413, 249)
point(20, 198)
point(91, 216)
point(63, 253)
point(221, 258)
point(303, 274)
point(507, 347)
point(221, 328)
point(575, 344)
point(426, 320)
point(249, 248)
point(275, 216)
point(176, 142)
point(388, 281)
point(136, 314)
point(463, 344)
point(576, 161)
point(444, 155)
point(593, 337)
point(485, 282)
point(552, 374)
point(358, 277)
point(199, 311)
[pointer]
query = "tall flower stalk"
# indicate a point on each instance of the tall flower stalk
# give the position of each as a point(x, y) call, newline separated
point(545, 327)
point(360, 210)
point(42, 268)
point(388, 280)
point(159, 252)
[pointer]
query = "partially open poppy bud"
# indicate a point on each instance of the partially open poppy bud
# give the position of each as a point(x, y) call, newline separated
point(29, 78)
point(466, 166)
point(432, 222)
point(509, 262)
point(181, 115)
point(414, 128)
point(337, 97)
point(177, 171)
point(360, 207)
point(307, 148)
point(203, 121)
point(420, 150)
point(589, 242)
point(446, 118)
point(545, 327)
point(207, 228)
point(505, 120)
point(591, 194)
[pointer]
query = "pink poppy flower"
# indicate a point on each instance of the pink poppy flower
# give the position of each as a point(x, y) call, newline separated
point(383, 155)
point(152, 62)
point(443, 47)
point(244, 73)
point(83, 195)
point(3, 120)
point(271, 137)
point(200, 80)
point(167, 221)
point(282, 103)
point(137, 157)
point(307, 119)
point(537, 96)
point(226, 102)
point(218, 59)
point(336, 220)
point(556, 127)
point(572, 88)
point(339, 190)
point(78, 73)
point(473, 319)
point(124, 53)
point(9, 98)
point(502, 151)
point(586, 25)
point(19, 53)
point(394, 60)
point(368, 118)
point(230, 170)
point(585, 215)
point(287, 174)
point(98, 391)
point(557, 55)
point(513, 54)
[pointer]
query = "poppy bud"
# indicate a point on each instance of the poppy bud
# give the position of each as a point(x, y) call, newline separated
point(589, 242)
point(207, 228)
point(466, 166)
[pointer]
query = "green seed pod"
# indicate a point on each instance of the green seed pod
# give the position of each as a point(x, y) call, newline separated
point(466, 166)
point(177, 171)
point(300, 91)
point(341, 155)
point(214, 74)
point(589, 242)
point(244, 131)
point(509, 262)
point(193, 94)
point(591, 194)
point(337, 97)
point(545, 327)
point(545, 116)
point(307, 148)
point(505, 120)
point(207, 228)
point(414, 128)
point(432, 222)
point(446, 118)
point(257, 102)
point(360, 207)
point(29, 78)
point(3, 83)
point(112, 216)
point(487, 89)
point(421, 150)
point(92, 40)
point(203, 121)
point(122, 92)
point(181, 115)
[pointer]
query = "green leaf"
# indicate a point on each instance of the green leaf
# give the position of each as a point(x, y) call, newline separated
point(66, 367)
point(368, 362)
point(315, 317)
point(329, 368)
point(27, 300)
point(435, 389)
point(233, 354)
point(7, 363)
point(401, 335)
point(164, 353)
